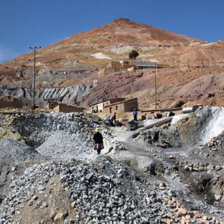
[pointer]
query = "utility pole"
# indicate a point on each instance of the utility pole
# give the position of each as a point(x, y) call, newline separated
point(34, 74)
point(155, 71)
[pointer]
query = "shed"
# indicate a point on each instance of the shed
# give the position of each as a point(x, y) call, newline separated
point(143, 64)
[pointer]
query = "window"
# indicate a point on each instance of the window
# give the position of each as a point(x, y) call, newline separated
point(116, 107)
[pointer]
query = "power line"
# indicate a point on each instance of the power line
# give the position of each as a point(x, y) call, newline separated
point(35, 48)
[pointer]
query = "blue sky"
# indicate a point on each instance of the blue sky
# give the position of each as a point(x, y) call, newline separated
point(25, 23)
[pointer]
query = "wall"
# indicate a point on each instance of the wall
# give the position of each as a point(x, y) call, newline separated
point(106, 110)
point(93, 107)
point(115, 64)
point(100, 106)
point(10, 102)
point(67, 109)
point(116, 100)
point(130, 105)
point(118, 108)
point(51, 105)
point(121, 107)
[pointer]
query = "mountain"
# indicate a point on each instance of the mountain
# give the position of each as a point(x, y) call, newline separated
point(193, 73)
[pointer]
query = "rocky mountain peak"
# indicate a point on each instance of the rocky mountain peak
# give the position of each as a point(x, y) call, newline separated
point(186, 60)
point(122, 20)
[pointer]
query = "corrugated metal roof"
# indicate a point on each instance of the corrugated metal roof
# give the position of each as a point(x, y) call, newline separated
point(144, 63)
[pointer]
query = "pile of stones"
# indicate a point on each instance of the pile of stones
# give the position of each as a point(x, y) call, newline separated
point(163, 136)
point(102, 192)
point(57, 136)
point(100, 189)
point(36, 128)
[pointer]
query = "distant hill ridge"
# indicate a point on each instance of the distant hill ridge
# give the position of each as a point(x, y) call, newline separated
point(188, 58)
point(119, 34)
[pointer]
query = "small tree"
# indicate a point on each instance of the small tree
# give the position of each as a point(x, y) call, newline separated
point(133, 54)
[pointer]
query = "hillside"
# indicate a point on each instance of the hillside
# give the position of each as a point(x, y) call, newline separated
point(191, 63)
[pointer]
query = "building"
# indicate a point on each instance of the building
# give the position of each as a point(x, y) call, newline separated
point(10, 102)
point(133, 64)
point(143, 64)
point(51, 104)
point(99, 107)
point(117, 64)
point(67, 108)
point(121, 107)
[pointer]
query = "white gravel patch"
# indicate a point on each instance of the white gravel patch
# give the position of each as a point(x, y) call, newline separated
point(121, 50)
point(177, 118)
point(13, 151)
point(100, 56)
point(64, 146)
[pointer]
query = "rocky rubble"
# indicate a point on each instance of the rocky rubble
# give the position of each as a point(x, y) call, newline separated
point(67, 95)
point(205, 170)
point(161, 137)
point(53, 173)
point(186, 129)
point(102, 192)
point(36, 128)
point(56, 135)
point(29, 138)
point(199, 166)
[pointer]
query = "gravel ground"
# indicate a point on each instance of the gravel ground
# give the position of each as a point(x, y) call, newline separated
point(14, 152)
point(64, 146)
point(102, 192)
point(64, 181)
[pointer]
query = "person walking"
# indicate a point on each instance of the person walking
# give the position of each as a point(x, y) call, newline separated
point(114, 119)
point(135, 113)
point(98, 141)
